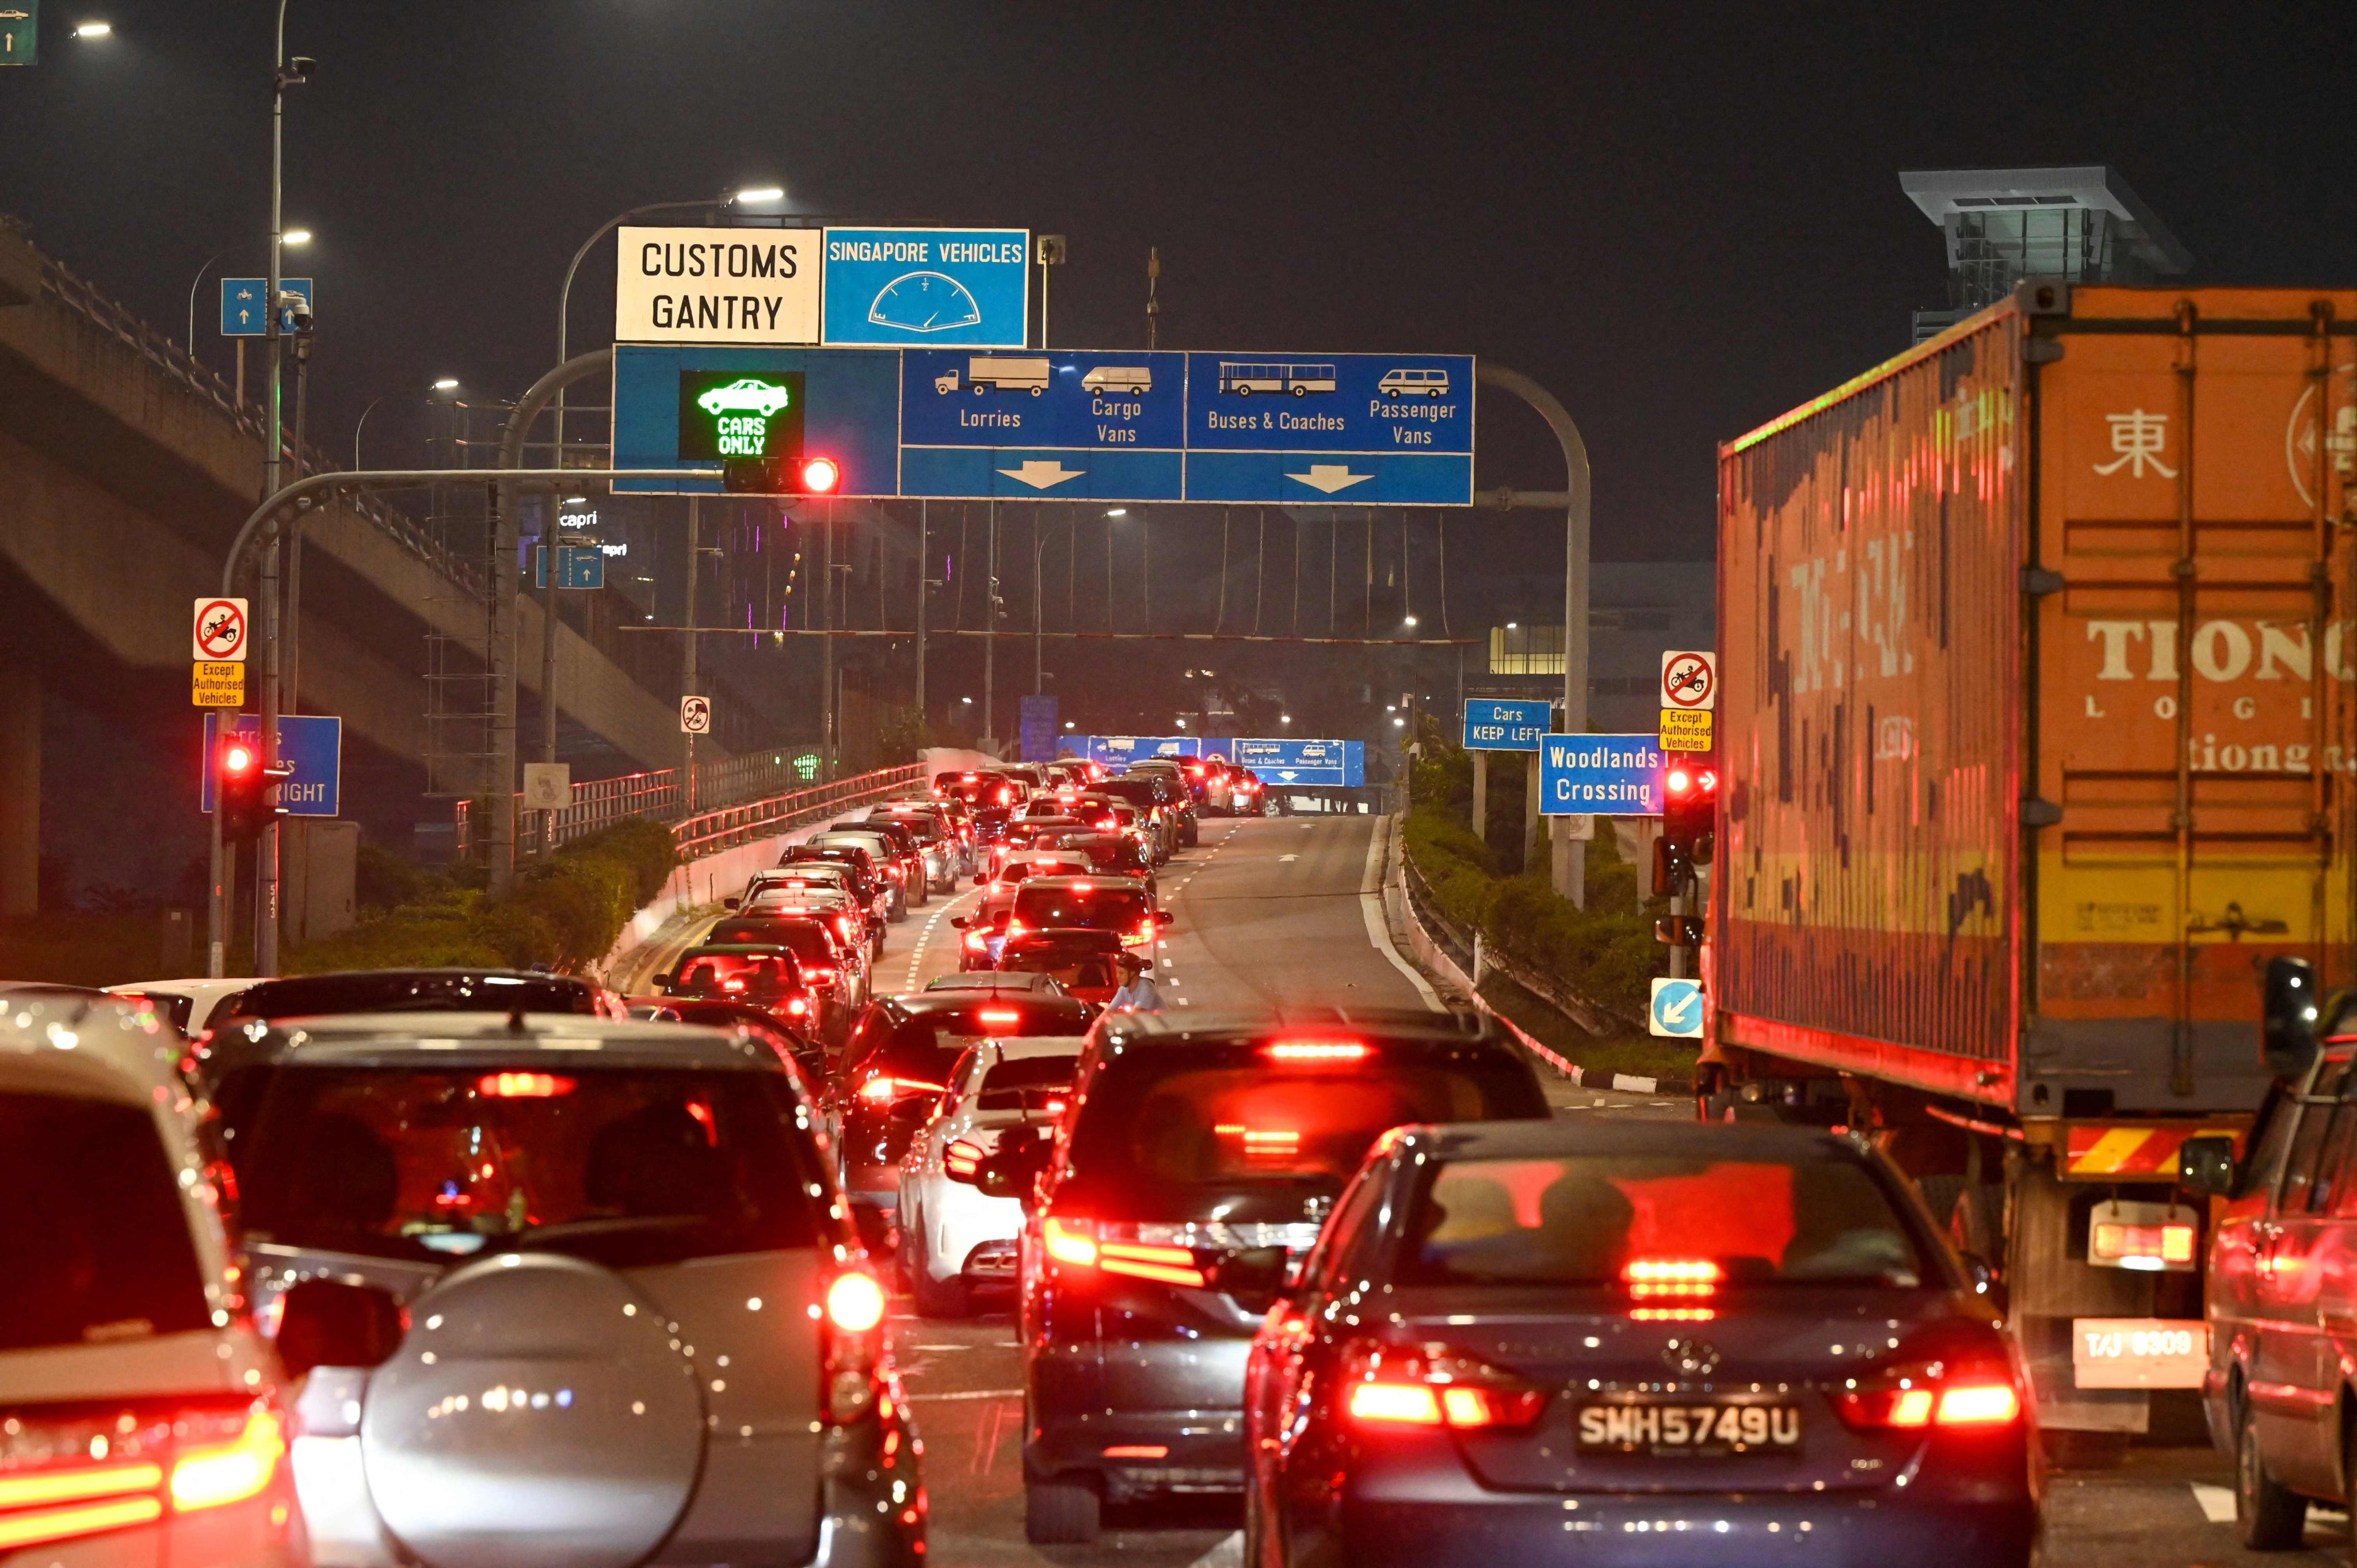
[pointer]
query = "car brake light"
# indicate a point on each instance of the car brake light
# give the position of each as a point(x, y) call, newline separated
point(797, 1007)
point(1394, 1386)
point(207, 1459)
point(976, 943)
point(963, 1157)
point(1319, 1050)
point(1016, 928)
point(855, 1303)
point(1072, 1243)
point(523, 1085)
point(1000, 1017)
point(215, 1474)
point(1653, 1278)
point(1076, 1244)
point(733, 982)
point(2146, 1247)
point(1055, 1108)
point(1929, 1395)
point(877, 1091)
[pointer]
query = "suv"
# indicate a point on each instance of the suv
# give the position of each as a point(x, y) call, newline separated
point(143, 1417)
point(568, 1291)
point(896, 1067)
point(767, 974)
point(835, 976)
point(1194, 1137)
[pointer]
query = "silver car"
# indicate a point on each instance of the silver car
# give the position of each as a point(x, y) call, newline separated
point(567, 1291)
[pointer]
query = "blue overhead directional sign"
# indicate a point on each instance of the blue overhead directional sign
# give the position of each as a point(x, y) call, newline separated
point(1104, 425)
point(312, 745)
point(1353, 428)
point(926, 287)
point(1121, 750)
point(1604, 774)
point(1322, 764)
point(1506, 723)
point(1065, 425)
point(577, 567)
point(241, 304)
point(851, 413)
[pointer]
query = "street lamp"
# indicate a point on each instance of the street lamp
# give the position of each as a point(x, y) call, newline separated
point(446, 384)
point(93, 29)
point(360, 425)
point(292, 237)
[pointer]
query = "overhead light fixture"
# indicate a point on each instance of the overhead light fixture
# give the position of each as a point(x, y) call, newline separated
point(447, 384)
point(1285, 718)
point(1117, 511)
point(1513, 626)
point(1410, 621)
point(1182, 723)
point(760, 193)
point(1067, 723)
point(295, 237)
point(967, 701)
point(93, 29)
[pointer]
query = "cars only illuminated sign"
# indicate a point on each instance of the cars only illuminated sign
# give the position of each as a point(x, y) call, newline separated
point(725, 414)
point(717, 285)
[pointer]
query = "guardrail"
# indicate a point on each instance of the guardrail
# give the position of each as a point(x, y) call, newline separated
point(656, 793)
point(1476, 958)
point(713, 832)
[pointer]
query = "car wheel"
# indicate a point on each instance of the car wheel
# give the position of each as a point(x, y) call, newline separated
point(2267, 1517)
point(1062, 1512)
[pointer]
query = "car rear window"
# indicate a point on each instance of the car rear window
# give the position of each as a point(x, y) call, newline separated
point(310, 995)
point(1082, 908)
point(97, 1246)
point(1160, 1125)
point(1584, 1219)
point(1092, 970)
point(629, 1165)
point(1026, 1083)
point(926, 1046)
point(737, 977)
point(807, 937)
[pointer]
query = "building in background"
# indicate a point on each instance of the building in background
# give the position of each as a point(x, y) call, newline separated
point(1637, 611)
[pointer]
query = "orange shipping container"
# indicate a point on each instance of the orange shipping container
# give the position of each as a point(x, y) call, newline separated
point(2038, 646)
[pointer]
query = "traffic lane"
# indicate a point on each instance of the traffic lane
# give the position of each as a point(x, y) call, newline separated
point(1271, 915)
point(2168, 1508)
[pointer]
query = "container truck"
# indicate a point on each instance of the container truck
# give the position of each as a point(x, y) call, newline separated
point(2038, 728)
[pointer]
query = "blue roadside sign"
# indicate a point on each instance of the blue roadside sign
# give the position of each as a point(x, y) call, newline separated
point(1309, 763)
point(1506, 723)
point(1677, 1008)
point(1603, 775)
point(312, 744)
point(1121, 750)
point(928, 287)
point(243, 300)
point(577, 567)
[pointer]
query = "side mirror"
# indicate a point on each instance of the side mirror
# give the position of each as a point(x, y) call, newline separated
point(731, 903)
point(982, 879)
point(1163, 917)
point(325, 1323)
point(663, 982)
point(958, 923)
point(1254, 1277)
point(2206, 1165)
point(2289, 1018)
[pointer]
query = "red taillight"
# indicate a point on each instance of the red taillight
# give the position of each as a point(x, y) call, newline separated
point(2141, 1246)
point(523, 1085)
point(1655, 1278)
point(963, 1157)
point(999, 1019)
point(975, 942)
point(877, 1091)
point(1433, 1386)
point(1319, 1050)
point(855, 1303)
point(819, 974)
point(1072, 1243)
point(1076, 1243)
point(797, 1007)
point(1932, 1394)
point(186, 1463)
point(213, 1473)
point(734, 983)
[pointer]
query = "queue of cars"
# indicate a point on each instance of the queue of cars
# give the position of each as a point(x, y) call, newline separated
point(454, 1267)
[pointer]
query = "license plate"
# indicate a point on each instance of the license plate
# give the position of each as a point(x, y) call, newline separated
point(1705, 1428)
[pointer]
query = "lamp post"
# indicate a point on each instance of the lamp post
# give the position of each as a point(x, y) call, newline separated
point(360, 425)
point(749, 194)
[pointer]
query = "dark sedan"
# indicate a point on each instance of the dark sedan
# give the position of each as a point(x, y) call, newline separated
point(1556, 1341)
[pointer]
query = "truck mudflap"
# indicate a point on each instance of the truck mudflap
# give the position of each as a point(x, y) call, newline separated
point(2133, 1151)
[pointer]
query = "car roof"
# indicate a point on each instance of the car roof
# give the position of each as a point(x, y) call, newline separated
point(1765, 1141)
point(91, 1045)
point(917, 1003)
point(540, 1040)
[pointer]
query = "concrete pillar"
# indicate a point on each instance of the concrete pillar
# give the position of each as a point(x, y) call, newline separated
point(20, 792)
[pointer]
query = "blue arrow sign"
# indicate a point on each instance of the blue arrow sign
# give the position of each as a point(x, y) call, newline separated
point(1506, 723)
point(242, 302)
point(577, 567)
point(311, 745)
point(1309, 763)
point(1604, 774)
point(1677, 1009)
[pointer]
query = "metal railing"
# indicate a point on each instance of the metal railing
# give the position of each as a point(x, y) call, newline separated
point(713, 832)
point(746, 782)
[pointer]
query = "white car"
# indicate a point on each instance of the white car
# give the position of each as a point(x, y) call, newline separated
point(144, 1424)
point(954, 1241)
point(186, 1004)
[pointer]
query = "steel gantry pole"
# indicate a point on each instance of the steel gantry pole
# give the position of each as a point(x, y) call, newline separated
point(266, 901)
point(1569, 867)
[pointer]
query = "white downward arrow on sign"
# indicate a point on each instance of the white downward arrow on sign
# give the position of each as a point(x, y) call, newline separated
point(1328, 478)
point(1676, 1012)
point(1039, 475)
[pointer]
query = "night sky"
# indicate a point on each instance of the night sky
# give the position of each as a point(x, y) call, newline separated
point(1684, 221)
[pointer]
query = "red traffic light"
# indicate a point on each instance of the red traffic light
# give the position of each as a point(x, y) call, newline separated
point(1681, 781)
point(237, 757)
point(821, 475)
